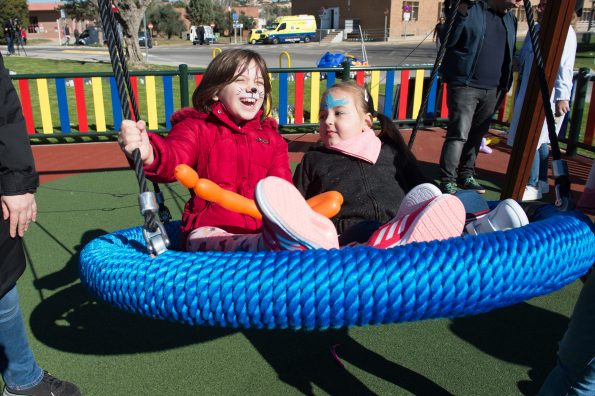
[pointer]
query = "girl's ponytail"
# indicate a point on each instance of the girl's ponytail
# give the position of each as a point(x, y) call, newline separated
point(405, 159)
point(389, 133)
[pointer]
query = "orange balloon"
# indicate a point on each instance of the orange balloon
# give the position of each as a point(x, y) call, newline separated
point(186, 175)
point(328, 203)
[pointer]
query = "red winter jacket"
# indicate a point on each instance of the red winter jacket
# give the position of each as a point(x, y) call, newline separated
point(235, 157)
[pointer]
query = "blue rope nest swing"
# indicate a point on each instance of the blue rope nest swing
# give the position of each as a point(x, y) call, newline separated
point(321, 289)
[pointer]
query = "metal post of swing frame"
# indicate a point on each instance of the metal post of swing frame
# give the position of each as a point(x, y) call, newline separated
point(553, 32)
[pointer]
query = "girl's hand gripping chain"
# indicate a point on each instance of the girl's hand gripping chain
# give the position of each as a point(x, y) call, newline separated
point(133, 135)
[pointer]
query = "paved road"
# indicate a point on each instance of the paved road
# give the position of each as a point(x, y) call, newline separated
point(302, 55)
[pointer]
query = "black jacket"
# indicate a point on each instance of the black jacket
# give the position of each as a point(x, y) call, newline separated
point(370, 192)
point(17, 175)
point(465, 42)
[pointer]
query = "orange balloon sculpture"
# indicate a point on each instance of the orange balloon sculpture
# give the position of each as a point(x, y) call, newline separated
point(327, 204)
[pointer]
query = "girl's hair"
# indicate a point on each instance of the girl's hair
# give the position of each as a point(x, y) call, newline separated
point(389, 133)
point(222, 71)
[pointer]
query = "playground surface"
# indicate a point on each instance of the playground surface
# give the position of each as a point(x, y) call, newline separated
point(87, 190)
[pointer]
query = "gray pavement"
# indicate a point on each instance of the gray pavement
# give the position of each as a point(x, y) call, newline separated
point(410, 51)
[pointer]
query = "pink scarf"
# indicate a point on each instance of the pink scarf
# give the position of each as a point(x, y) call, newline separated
point(365, 146)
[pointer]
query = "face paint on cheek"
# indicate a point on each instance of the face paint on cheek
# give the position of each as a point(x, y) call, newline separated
point(330, 102)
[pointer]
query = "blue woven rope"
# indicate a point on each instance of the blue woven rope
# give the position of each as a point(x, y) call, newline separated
point(320, 289)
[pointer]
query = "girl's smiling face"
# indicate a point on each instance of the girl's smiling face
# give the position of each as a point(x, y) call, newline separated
point(340, 118)
point(243, 97)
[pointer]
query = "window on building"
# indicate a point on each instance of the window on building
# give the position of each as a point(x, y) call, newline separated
point(410, 10)
point(33, 25)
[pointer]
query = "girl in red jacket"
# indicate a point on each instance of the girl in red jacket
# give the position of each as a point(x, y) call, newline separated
point(227, 136)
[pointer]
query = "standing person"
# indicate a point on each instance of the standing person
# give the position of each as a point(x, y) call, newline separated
point(560, 102)
point(478, 70)
point(66, 35)
point(439, 32)
point(9, 35)
point(18, 183)
point(24, 35)
point(574, 373)
point(201, 34)
point(227, 136)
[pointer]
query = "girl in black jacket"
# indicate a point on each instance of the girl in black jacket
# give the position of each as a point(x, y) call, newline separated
point(373, 173)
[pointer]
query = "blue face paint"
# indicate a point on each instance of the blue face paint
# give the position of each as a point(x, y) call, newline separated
point(330, 102)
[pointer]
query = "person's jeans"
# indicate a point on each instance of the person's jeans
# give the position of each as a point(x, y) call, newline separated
point(470, 111)
point(17, 364)
point(539, 167)
point(10, 44)
point(574, 373)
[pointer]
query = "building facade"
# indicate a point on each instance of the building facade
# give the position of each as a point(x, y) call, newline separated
point(382, 19)
point(378, 19)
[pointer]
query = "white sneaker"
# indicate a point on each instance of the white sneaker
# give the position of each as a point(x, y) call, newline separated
point(532, 193)
point(508, 214)
point(544, 187)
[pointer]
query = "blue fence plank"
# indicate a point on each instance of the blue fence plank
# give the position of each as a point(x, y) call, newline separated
point(431, 109)
point(63, 105)
point(168, 98)
point(389, 92)
point(116, 107)
point(283, 94)
point(330, 79)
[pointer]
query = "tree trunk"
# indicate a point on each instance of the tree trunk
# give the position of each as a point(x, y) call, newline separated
point(130, 15)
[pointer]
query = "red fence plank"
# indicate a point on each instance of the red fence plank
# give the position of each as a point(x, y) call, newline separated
point(81, 106)
point(26, 105)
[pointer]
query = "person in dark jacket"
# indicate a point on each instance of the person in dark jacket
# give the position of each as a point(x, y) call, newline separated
point(478, 70)
point(9, 36)
point(18, 183)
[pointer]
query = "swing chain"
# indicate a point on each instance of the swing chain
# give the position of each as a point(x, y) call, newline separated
point(153, 232)
point(164, 213)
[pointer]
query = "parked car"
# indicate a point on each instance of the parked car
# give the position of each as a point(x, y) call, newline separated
point(88, 36)
point(257, 36)
point(141, 40)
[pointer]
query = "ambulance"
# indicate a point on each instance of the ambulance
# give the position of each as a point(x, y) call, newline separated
point(292, 28)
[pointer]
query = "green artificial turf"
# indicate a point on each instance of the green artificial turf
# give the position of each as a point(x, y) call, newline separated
point(109, 352)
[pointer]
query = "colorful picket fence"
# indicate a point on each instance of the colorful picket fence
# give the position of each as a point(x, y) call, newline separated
point(83, 103)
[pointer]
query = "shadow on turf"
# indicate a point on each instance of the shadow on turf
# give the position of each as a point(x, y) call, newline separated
point(303, 359)
point(522, 334)
point(70, 320)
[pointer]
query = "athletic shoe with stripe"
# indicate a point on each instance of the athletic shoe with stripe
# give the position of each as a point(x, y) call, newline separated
point(440, 218)
point(288, 222)
point(417, 197)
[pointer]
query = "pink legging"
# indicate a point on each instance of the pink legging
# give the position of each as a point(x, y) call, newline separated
point(215, 239)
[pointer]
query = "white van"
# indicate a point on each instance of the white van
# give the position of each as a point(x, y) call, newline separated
point(194, 36)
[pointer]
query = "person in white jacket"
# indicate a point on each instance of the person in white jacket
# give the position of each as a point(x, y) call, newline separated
point(560, 101)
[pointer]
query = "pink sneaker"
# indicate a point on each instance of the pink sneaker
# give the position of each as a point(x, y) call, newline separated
point(417, 197)
point(440, 218)
point(288, 222)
